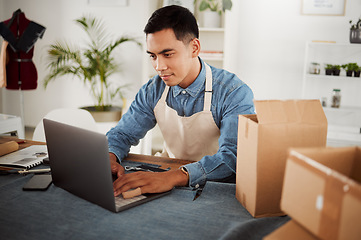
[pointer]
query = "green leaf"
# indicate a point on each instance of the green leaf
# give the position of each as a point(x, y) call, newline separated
point(227, 5)
point(203, 6)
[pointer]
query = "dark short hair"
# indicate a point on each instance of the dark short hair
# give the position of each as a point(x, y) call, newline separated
point(178, 18)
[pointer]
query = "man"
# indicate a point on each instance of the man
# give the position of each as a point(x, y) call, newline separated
point(195, 105)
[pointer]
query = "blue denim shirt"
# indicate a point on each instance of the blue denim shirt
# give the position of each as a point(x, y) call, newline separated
point(230, 98)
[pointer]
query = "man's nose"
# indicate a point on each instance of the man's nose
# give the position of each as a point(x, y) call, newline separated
point(160, 65)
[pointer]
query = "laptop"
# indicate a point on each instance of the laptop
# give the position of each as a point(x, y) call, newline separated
point(79, 162)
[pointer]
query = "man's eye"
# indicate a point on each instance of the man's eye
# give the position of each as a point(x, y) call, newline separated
point(152, 56)
point(168, 54)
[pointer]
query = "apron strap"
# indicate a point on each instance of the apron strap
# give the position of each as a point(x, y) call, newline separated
point(208, 89)
point(163, 98)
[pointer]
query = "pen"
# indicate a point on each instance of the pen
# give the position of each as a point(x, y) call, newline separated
point(44, 170)
point(198, 192)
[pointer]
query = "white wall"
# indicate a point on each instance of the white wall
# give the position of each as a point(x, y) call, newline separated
point(265, 46)
point(57, 17)
point(266, 43)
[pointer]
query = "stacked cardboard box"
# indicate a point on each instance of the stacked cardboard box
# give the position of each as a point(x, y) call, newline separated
point(263, 142)
point(322, 194)
point(291, 230)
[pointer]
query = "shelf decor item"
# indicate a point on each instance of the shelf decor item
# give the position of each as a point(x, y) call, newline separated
point(336, 70)
point(314, 68)
point(355, 32)
point(357, 71)
point(336, 98)
point(92, 64)
point(328, 69)
point(331, 69)
point(350, 68)
point(323, 8)
point(212, 11)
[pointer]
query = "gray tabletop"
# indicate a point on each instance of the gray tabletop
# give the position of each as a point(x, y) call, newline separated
point(57, 214)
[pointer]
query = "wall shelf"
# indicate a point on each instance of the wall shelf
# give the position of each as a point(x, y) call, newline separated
point(318, 86)
point(210, 59)
point(212, 40)
point(344, 123)
point(342, 77)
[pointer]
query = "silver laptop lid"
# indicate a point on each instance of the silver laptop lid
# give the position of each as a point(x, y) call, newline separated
point(79, 162)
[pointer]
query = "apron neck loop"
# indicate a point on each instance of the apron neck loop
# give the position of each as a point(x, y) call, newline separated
point(207, 93)
point(208, 89)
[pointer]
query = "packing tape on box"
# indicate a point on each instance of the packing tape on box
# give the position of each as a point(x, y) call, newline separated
point(329, 204)
point(336, 189)
point(337, 214)
point(8, 147)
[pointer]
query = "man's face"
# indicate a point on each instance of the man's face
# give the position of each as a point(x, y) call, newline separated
point(174, 61)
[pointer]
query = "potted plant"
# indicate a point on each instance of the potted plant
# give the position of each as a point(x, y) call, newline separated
point(357, 71)
point(350, 68)
point(355, 32)
point(213, 10)
point(92, 64)
point(329, 69)
point(336, 70)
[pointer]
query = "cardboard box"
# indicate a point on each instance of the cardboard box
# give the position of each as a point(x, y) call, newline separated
point(291, 230)
point(263, 141)
point(322, 191)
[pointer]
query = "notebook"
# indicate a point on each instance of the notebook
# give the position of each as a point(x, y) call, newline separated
point(25, 158)
point(79, 162)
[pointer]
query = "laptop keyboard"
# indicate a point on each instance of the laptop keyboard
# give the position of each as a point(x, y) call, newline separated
point(120, 201)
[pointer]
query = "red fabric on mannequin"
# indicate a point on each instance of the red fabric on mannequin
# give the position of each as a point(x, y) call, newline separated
point(20, 70)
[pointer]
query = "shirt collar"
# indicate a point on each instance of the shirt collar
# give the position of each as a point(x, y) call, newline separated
point(196, 87)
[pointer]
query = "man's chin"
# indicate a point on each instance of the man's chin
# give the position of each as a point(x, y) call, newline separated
point(170, 83)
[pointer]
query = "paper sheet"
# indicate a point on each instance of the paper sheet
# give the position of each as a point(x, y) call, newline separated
point(25, 158)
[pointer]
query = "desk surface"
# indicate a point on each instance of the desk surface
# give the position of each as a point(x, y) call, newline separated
point(164, 162)
point(57, 214)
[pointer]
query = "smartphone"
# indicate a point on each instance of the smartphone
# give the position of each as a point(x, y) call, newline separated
point(38, 182)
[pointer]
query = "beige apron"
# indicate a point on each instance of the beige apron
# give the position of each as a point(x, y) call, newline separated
point(191, 137)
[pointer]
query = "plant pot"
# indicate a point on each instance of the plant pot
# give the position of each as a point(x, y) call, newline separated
point(357, 73)
point(349, 73)
point(110, 114)
point(211, 19)
point(355, 36)
point(336, 72)
point(329, 71)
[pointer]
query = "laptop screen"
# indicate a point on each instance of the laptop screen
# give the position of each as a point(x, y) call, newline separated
point(79, 162)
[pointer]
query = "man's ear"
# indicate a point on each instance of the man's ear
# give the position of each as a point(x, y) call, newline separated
point(196, 47)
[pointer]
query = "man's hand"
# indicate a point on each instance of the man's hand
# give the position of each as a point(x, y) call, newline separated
point(150, 182)
point(115, 167)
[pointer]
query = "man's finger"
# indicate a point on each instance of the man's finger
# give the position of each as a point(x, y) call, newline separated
point(132, 193)
point(120, 171)
point(130, 181)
